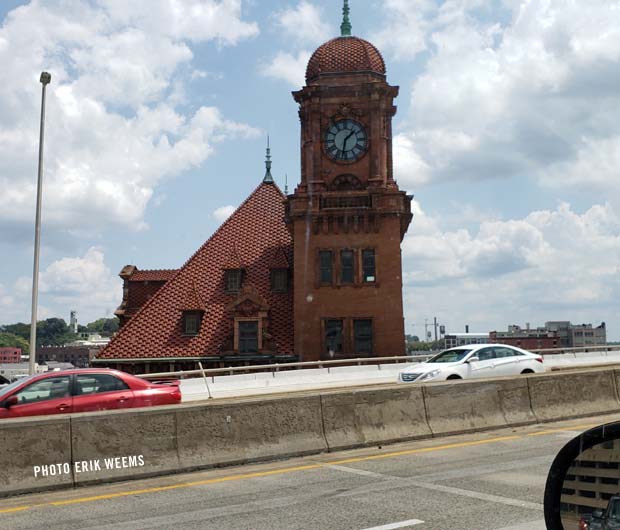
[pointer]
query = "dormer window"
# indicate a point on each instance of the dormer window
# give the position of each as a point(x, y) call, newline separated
point(191, 322)
point(233, 278)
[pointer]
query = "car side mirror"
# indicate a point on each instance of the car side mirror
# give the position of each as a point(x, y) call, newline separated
point(473, 359)
point(584, 479)
point(10, 401)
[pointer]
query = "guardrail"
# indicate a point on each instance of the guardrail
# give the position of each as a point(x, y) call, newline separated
point(231, 370)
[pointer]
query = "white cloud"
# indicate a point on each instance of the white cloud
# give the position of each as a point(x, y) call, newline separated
point(114, 129)
point(303, 24)
point(288, 67)
point(223, 213)
point(404, 33)
point(547, 264)
point(534, 96)
point(84, 283)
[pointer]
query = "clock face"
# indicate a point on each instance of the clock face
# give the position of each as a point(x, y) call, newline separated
point(346, 140)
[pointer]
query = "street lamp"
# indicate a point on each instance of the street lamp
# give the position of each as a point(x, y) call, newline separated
point(45, 80)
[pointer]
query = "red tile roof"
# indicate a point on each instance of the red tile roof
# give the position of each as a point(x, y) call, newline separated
point(345, 54)
point(162, 275)
point(258, 231)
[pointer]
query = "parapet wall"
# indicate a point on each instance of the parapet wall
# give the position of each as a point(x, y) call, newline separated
point(68, 450)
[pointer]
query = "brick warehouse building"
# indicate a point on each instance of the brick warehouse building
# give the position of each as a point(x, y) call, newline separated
point(313, 275)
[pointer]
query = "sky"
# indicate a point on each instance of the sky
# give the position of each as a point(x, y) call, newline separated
point(507, 135)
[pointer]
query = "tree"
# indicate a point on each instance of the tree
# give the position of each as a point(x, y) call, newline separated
point(14, 341)
point(20, 329)
point(104, 326)
point(54, 332)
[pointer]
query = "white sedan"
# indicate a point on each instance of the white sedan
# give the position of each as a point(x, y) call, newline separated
point(474, 360)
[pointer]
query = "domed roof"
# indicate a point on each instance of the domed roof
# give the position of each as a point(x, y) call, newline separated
point(345, 54)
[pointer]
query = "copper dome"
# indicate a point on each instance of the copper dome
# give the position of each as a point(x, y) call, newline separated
point(345, 54)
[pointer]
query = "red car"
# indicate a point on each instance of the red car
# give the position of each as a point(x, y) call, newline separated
point(83, 390)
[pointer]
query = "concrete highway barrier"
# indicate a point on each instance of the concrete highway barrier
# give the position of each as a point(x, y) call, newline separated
point(115, 444)
point(222, 433)
point(464, 406)
point(359, 417)
point(561, 395)
point(36, 454)
point(69, 450)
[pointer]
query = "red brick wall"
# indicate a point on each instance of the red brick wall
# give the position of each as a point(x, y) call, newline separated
point(527, 343)
point(381, 302)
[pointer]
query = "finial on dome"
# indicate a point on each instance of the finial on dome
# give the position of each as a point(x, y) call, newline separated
point(268, 178)
point(345, 27)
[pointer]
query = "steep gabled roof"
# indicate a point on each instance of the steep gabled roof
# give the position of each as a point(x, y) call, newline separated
point(257, 230)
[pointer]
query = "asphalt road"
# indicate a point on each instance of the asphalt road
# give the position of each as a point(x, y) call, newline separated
point(485, 481)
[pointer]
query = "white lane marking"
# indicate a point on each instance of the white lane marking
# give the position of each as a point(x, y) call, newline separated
point(361, 472)
point(477, 495)
point(393, 526)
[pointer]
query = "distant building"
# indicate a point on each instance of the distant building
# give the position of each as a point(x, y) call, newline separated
point(90, 339)
point(78, 356)
point(462, 339)
point(73, 323)
point(585, 335)
point(528, 339)
point(555, 334)
point(10, 354)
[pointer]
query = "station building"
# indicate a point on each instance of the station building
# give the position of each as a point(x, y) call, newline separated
point(312, 275)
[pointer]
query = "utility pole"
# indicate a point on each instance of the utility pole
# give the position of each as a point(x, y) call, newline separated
point(44, 80)
point(425, 329)
point(435, 325)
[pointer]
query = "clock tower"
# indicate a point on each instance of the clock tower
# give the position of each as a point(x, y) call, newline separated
point(347, 215)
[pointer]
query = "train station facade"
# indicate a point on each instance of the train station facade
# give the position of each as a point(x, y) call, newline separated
point(312, 275)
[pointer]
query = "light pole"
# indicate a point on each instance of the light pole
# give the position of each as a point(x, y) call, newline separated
point(45, 80)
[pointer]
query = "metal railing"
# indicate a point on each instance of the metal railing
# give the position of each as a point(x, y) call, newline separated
point(232, 370)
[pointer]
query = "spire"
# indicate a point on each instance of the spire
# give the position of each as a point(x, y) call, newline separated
point(268, 178)
point(345, 27)
point(286, 184)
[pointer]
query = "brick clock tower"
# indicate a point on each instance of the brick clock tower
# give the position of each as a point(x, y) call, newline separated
point(347, 215)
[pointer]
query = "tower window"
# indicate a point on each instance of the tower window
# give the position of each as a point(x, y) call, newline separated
point(346, 266)
point(326, 266)
point(248, 336)
point(362, 335)
point(279, 280)
point(191, 323)
point(368, 265)
point(233, 279)
point(333, 336)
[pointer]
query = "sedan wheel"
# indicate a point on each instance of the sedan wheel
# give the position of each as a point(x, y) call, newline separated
point(454, 377)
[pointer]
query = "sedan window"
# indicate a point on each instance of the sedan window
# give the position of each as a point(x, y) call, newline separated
point(97, 383)
point(449, 356)
point(43, 390)
point(486, 354)
point(501, 353)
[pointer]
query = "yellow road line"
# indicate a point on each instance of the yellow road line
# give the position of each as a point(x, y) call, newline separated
point(573, 428)
point(16, 509)
point(282, 471)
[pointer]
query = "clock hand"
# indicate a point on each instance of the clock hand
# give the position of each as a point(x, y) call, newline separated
point(344, 144)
